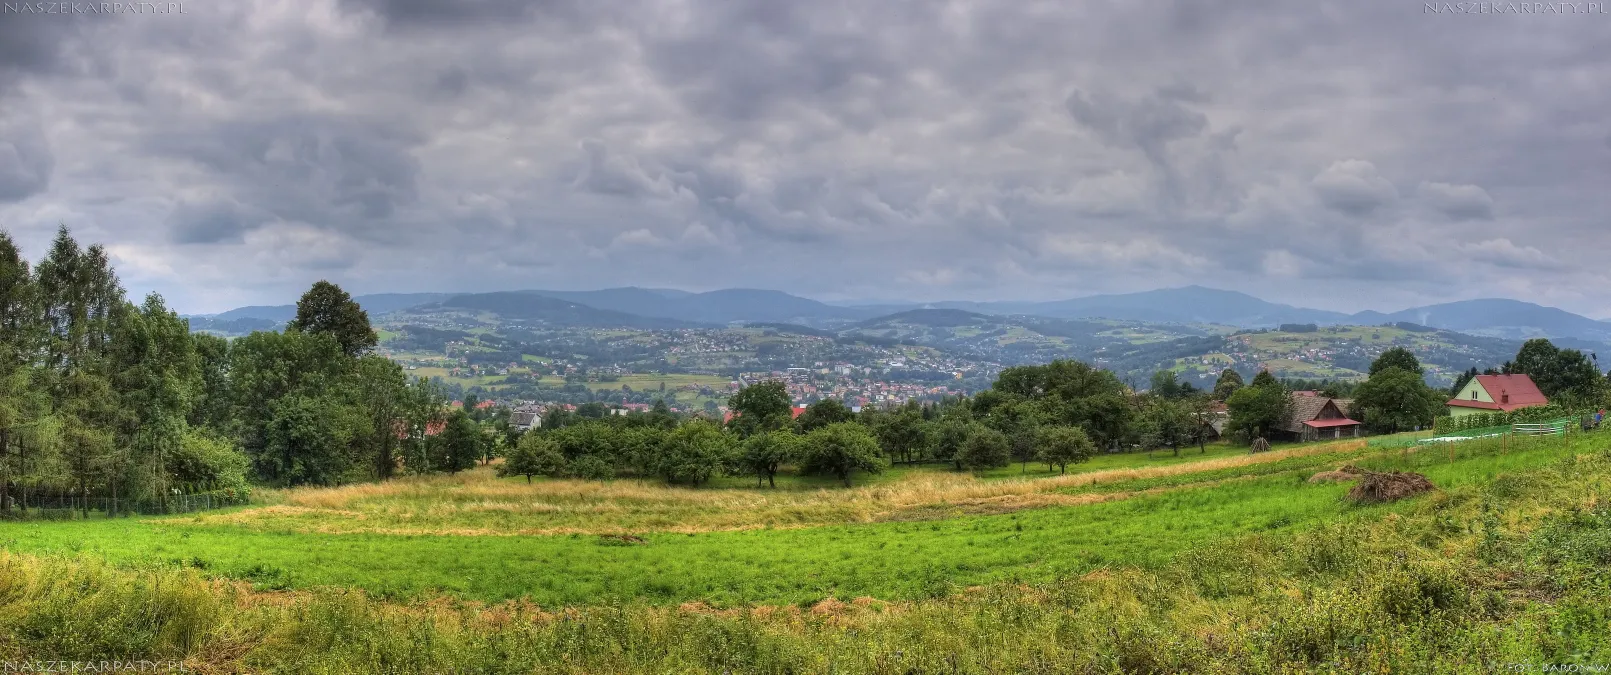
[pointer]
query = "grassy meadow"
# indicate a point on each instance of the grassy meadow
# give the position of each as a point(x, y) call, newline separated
point(1212, 562)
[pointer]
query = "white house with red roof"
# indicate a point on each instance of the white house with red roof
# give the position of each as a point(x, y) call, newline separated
point(1496, 393)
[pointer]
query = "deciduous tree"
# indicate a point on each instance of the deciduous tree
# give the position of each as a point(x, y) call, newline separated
point(694, 452)
point(325, 308)
point(1394, 399)
point(763, 454)
point(1061, 446)
point(533, 455)
point(841, 449)
point(1229, 381)
point(985, 448)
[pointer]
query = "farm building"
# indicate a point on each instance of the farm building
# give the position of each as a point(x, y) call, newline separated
point(1491, 393)
point(1214, 420)
point(525, 420)
point(1316, 417)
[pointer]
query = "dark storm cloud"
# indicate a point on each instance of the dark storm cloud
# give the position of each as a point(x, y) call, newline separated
point(213, 221)
point(328, 172)
point(958, 149)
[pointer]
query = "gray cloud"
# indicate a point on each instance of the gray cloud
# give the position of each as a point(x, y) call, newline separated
point(1353, 186)
point(1461, 202)
point(975, 150)
point(26, 161)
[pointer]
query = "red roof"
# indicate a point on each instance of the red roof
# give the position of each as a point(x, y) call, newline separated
point(1509, 391)
point(1338, 422)
point(483, 405)
point(794, 413)
point(432, 428)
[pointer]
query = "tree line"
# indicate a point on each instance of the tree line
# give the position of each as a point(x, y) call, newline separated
point(104, 398)
point(107, 398)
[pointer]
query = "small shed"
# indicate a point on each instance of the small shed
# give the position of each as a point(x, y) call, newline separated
point(1316, 417)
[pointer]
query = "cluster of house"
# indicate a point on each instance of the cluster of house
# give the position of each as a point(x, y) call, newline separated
point(1318, 417)
point(807, 385)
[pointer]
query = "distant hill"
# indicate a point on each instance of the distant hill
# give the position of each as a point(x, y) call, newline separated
point(375, 305)
point(241, 326)
point(937, 318)
point(275, 313)
point(535, 307)
point(724, 306)
point(1190, 304)
point(1509, 319)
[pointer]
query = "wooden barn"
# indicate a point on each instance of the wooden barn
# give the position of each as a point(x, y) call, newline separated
point(1316, 417)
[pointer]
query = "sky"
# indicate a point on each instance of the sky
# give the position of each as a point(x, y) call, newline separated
point(1342, 156)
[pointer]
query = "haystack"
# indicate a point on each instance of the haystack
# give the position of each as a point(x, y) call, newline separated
point(1259, 445)
point(1346, 472)
point(1375, 488)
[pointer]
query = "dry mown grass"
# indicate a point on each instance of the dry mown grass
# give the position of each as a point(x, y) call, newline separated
point(477, 503)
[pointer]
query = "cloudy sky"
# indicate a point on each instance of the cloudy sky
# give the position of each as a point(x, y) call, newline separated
point(1334, 155)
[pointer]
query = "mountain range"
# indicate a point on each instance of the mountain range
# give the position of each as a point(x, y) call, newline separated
point(665, 308)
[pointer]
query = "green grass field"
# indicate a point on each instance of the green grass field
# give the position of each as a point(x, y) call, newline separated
point(884, 560)
point(1219, 563)
point(1148, 521)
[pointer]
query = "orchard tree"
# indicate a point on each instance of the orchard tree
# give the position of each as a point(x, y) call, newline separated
point(841, 449)
point(985, 448)
point(763, 454)
point(694, 452)
point(1167, 423)
point(950, 434)
point(1061, 446)
point(902, 434)
point(533, 455)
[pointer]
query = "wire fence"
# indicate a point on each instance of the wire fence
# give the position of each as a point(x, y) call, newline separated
point(71, 507)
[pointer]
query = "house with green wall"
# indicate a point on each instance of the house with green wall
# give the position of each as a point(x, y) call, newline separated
point(1496, 393)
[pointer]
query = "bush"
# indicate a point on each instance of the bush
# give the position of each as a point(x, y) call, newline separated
point(1539, 413)
point(205, 462)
